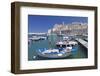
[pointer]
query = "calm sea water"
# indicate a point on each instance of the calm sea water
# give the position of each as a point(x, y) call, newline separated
point(50, 43)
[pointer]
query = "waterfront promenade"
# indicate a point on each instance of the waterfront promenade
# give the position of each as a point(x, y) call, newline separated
point(82, 42)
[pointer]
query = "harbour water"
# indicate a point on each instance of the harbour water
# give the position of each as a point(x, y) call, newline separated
point(50, 43)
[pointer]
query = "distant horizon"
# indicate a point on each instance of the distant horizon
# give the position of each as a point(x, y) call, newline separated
point(41, 23)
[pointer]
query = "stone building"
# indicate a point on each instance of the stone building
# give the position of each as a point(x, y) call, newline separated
point(74, 28)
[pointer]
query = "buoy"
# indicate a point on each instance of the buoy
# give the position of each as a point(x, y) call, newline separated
point(34, 57)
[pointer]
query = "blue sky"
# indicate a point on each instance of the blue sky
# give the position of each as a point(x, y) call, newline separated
point(41, 23)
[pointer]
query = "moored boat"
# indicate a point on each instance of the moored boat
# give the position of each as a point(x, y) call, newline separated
point(54, 53)
point(34, 38)
point(73, 45)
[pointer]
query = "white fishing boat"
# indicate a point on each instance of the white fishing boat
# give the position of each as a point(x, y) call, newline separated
point(66, 43)
point(34, 38)
point(54, 53)
point(43, 38)
point(61, 44)
point(72, 45)
point(65, 38)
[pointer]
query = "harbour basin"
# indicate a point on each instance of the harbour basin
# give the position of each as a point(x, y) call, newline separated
point(50, 42)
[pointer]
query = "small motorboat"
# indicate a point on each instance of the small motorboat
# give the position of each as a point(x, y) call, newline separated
point(34, 38)
point(43, 38)
point(54, 53)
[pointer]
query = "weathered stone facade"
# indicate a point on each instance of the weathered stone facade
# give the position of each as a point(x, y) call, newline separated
point(70, 29)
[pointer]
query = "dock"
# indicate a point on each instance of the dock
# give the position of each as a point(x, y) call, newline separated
point(82, 42)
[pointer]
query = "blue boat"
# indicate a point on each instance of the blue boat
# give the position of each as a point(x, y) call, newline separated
point(63, 49)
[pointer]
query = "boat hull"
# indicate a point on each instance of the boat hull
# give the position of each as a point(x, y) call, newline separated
point(61, 54)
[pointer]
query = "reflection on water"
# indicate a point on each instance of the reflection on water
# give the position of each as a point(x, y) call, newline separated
point(50, 43)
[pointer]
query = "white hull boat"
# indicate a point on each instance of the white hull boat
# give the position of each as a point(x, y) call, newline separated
point(54, 53)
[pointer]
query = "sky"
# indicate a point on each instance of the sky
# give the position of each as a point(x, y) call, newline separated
point(41, 23)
